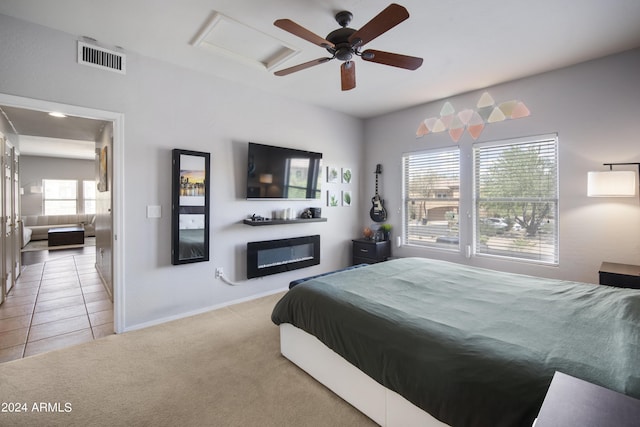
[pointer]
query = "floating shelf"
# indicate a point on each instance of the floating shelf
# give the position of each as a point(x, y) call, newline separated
point(283, 221)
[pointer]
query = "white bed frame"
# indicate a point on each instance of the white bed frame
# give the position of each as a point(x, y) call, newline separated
point(384, 406)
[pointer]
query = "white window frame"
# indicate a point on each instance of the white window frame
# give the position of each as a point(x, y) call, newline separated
point(79, 200)
point(541, 247)
point(446, 225)
point(45, 199)
point(468, 205)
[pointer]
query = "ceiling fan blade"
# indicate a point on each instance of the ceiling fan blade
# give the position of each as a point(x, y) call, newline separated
point(393, 59)
point(381, 23)
point(348, 75)
point(302, 66)
point(300, 31)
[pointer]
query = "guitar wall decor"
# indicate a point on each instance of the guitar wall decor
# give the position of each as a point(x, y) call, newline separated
point(377, 212)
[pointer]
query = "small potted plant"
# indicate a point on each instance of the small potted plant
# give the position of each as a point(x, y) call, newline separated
point(386, 231)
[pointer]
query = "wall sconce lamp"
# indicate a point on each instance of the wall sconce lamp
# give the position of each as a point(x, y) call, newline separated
point(612, 183)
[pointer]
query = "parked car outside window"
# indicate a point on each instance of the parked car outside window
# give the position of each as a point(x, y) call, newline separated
point(498, 225)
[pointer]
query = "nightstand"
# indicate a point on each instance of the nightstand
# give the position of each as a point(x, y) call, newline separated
point(369, 251)
point(572, 402)
point(620, 275)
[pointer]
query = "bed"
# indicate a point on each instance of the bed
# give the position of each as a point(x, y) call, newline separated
point(427, 342)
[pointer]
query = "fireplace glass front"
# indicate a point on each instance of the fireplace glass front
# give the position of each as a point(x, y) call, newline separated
point(277, 256)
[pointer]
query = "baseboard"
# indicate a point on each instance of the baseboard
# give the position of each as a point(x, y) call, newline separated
point(201, 310)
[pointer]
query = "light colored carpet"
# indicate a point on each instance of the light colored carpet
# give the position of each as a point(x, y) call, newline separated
point(221, 368)
point(43, 245)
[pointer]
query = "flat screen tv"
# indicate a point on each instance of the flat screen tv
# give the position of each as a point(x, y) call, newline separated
point(283, 173)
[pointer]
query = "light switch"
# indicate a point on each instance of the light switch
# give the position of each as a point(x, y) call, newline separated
point(154, 212)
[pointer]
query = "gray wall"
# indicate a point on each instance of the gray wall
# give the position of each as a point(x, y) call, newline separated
point(594, 109)
point(33, 169)
point(168, 107)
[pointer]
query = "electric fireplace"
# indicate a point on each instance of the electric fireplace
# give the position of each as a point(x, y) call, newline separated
point(277, 256)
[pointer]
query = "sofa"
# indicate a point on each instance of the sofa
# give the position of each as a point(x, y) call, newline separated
point(38, 225)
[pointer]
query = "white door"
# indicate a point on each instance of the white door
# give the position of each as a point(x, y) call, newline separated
point(15, 209)
point(7, 217)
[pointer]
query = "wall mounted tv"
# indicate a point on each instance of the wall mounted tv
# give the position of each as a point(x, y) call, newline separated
point(283, 173)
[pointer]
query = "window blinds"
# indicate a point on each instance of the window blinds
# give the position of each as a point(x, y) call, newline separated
point(431, 198)
point(516, 199)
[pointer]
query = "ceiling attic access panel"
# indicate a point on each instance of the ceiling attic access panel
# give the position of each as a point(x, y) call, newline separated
point(226, 36)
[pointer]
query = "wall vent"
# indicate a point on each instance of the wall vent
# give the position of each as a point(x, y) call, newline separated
point(99, 57)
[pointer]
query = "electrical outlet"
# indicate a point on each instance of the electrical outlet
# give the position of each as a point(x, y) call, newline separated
point(219, 272)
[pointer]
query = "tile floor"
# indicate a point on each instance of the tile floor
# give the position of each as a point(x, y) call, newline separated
point(55, 303)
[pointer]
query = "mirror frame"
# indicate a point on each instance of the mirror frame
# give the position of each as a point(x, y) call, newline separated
point(192, 205)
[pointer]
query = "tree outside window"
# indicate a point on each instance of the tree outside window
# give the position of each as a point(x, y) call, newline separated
point(516, 200)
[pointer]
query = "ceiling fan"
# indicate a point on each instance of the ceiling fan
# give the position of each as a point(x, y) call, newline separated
point(345, 43)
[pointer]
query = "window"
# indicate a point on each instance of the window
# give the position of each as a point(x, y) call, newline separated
point(63, 197)
point(509, 189)
point(431, 197)
point(89, 196)
point(60, 196)
point(516, 199)
point(297, 174)
point(300, 176)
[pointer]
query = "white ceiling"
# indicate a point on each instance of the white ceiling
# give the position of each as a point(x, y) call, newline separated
point(43, 135)
point(466, 44)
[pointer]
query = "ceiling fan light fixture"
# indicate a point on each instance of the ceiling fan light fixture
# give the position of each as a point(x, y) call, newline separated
point(344, 54)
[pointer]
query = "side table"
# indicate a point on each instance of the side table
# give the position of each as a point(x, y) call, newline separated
point(620, 275)
point(365, 251)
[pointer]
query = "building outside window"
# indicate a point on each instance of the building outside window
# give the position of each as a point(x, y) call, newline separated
point(431, 198)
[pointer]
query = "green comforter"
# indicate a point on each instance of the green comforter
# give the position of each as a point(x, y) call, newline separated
point(472, 347)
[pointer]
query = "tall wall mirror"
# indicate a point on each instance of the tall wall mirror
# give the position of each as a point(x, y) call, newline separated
point(190, 207)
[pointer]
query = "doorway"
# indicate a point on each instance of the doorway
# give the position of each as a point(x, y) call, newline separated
point(108, 220)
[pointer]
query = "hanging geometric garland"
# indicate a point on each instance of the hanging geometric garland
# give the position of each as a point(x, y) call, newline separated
point(473, 121)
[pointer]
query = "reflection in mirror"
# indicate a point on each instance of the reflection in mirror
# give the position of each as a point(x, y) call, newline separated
point(191, 237)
